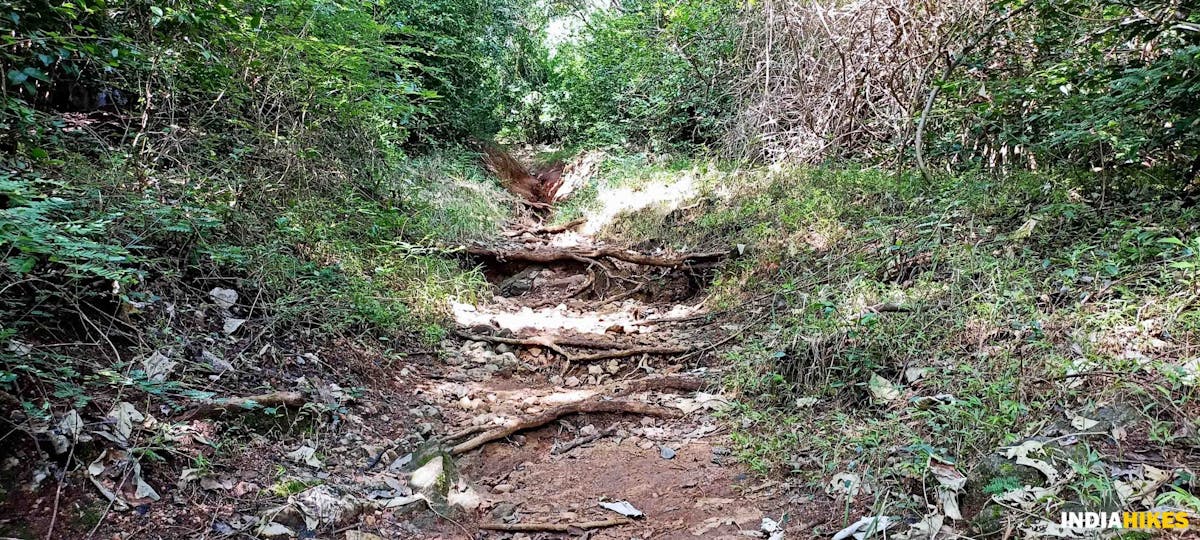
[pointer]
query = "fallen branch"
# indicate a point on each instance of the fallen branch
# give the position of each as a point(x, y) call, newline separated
point(625, 353)
point(589, 406)
point(554, 527)
point(244, 404)
point(551, 255)
point(614, 349)
point(623, 295)
point(580, 441)
point(544, 341)
point(531, 342)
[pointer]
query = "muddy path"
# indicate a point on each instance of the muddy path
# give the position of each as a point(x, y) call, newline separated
point(584, 380)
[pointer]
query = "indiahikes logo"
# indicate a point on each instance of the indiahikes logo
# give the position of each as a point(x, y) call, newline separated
point(1125, 520)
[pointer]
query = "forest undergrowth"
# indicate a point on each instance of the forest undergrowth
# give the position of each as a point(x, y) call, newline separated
point(939, 260)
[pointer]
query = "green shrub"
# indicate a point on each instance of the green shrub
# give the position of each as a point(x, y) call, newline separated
point(651, 72)
point(1092, 83)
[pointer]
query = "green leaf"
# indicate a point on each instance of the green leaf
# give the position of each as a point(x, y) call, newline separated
point(16, 77)
point(36, 74)
point(21, 265)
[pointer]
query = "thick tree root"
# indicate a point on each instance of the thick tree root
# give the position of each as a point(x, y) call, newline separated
point(589, 406)
point(244, 404)
point(660, 384)
point(554, 527)
point(610, 349)
point(633, 351)
point(546, 255)
point(547, 229)
point(542, 341)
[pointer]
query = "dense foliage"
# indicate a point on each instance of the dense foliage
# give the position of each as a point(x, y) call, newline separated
point(650, 72)
point(1033, 84)
point(319, 159)
point(137, 131)
point(1094, 83)
point(147, 142)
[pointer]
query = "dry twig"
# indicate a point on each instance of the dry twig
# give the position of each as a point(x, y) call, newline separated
point(588, 406)
point(590, 255)
point(554, 527)
point(244, 404)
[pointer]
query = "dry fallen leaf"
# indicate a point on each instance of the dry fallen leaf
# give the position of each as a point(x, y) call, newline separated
point(125, 416)
point(307, 455)
point(950, 483)
point(157, 366)
point(1021, 453)
point(882, 389)
point(849, 484)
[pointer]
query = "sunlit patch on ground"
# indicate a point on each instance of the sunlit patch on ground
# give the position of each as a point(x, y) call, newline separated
point(666, 195)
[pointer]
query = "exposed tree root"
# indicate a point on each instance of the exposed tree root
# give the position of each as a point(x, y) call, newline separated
point(547, 229)
point(554, 527)
point(244, 404)
point(543, 341)
point(622, 296)
point(610, 349)
point(634, 351)
point(580, 441)
point(547, 255)
point(589, 283)
point(588, 406)
point(670, 382)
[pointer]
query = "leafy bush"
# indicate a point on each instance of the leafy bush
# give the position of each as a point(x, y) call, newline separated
point(152, 139)
point(651, 72)
point(1094, 83)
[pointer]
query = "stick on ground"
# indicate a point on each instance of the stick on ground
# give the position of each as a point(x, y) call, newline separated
point(548, 229)
point(580, 441)
point(550, 255)
point(554, 527)
point(614, 349)
point(625, 353)
point(589, 406)
point(244, 404)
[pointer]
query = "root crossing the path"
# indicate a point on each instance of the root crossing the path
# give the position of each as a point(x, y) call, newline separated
point(574, 370)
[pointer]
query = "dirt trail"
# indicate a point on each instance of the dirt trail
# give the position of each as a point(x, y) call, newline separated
point(585, 379)
point(578, 323)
